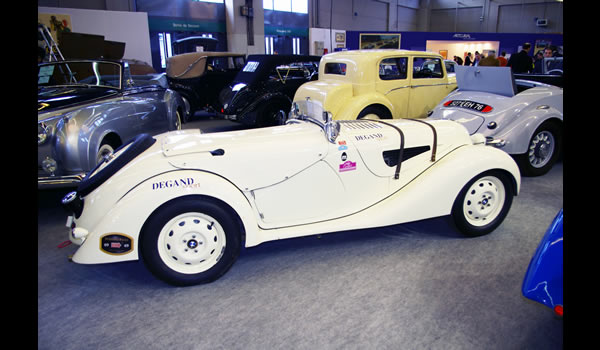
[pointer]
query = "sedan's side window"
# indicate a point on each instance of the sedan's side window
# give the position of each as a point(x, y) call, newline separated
point(427, 67)
point(393, 68)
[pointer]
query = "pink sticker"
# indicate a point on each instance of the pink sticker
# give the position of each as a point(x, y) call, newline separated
point(347, 166)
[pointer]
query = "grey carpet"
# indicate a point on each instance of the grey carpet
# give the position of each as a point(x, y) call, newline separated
point(414, 286)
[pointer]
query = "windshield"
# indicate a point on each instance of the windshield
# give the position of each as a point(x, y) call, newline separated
point(105, 74)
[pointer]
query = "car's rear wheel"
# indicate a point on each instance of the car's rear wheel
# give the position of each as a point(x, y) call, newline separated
point(178, 120)
point(374, 112)
point(542, 152)
point(190, 241)
point(105, 150)
point(483, 203)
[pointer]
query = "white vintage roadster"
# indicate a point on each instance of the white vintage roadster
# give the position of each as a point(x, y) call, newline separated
point(185, 202)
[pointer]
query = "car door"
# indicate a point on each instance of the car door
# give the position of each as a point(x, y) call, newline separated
point(338, 184)
point(429, 85)
point(393, 83)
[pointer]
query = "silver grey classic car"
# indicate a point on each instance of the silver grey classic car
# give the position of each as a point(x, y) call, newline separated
point(88, 108)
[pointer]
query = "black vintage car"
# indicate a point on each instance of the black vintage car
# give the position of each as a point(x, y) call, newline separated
point(199, 76)
point(262, 92)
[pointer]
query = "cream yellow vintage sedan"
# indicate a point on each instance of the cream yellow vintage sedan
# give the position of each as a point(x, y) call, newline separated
point(379, 84)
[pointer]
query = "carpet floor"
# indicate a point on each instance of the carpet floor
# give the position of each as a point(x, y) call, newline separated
point(419, 285)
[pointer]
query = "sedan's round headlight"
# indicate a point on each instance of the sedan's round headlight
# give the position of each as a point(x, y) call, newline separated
point(43, 133)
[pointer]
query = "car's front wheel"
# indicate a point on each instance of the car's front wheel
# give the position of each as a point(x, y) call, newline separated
point(483, 203)
point(272, 113)
point(190, 241)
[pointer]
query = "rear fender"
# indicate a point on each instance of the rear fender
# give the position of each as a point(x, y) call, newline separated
point(353, 107)
point(432, 193)
point(518, 133)
point(128, 215)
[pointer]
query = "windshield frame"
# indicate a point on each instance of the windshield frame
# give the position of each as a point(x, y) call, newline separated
point(93, 63)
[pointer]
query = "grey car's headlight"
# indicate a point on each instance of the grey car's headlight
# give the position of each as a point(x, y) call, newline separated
point(43, 133)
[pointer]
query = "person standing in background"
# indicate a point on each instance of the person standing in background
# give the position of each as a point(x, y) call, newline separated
point(502, 59)
point(477, 58)
point(521, 62)
point(458, 60)
point(469, 60)
point(490, 60)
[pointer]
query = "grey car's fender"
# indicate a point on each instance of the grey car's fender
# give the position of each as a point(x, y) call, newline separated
point(519, 131)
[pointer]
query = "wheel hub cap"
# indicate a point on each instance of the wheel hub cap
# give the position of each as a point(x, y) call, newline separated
point(484, 201)
point(541, 149)
point(191, 243)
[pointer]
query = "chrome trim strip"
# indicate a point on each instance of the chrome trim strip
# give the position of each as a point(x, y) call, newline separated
point(60, 181)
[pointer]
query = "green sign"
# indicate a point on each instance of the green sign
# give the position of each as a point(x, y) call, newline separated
point(283, 31)
point(158, 24)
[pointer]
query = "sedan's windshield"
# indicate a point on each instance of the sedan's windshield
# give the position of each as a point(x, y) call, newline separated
point(89, 73)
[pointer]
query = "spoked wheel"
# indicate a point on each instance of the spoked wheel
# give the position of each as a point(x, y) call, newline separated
point(104, 151)
point(190, 241)
point(542, 152)
point(482, 204)
point(178, 120)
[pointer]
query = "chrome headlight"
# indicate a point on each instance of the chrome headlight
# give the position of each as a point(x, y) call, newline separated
point(49, 165)
point(43, 133)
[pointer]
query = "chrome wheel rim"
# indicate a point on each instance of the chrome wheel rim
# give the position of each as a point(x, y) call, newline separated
point(191, 243)
point(484, 201)
point(105, 151)
point(177, 120)
point(541, 149)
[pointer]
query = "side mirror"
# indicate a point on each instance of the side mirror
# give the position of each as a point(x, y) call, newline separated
point(332, 127)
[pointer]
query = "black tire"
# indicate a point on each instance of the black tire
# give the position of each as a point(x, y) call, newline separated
point(543, 150)
point(190, 240)
point(381, 113)
point(483, 203)
point(269, 114)
point(94, 179)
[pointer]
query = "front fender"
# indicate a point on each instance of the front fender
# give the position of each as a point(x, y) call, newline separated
point(174, 101)
point(128, 215)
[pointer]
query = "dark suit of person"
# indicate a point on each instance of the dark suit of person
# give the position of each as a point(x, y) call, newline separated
point(520, 62)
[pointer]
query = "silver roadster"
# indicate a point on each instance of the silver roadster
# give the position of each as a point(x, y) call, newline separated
point(523, 118)
point(88, 108)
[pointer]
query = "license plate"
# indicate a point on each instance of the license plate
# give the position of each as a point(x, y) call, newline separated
point(475, 106)
point(69, 221)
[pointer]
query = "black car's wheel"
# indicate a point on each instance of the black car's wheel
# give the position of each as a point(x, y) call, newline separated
point(272, 113)
point(483, 203)
point(542, 152)
point(190, 241)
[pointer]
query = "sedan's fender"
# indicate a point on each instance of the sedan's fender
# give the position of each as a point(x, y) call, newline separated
point(352, 108)
point(128, 215)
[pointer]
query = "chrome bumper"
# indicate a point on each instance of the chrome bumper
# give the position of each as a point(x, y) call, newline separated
point(60, 181)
